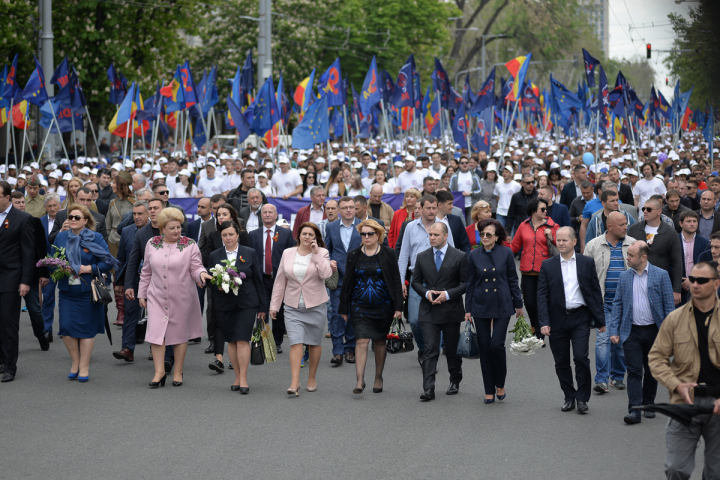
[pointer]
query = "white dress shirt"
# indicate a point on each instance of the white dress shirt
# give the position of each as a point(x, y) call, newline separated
point(573, 296)
point(232, 255)
point(316, 216)
point(252, 221)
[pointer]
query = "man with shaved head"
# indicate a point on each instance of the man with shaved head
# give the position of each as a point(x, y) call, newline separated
point(609, 251)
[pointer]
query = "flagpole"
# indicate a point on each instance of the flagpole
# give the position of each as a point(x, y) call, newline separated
point(74, 139)
point(153, 145)
point(597, 129)
point(468, 138)
point(127, 133)
point(176, 132)
point(509, 125)
point(184, 130)
point(62, 142)
point(142, 131)
point(32, 155)
point(22, 152)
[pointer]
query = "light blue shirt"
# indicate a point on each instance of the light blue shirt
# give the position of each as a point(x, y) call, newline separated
point(442, 251)
point(414, 241)
point(642, 315)
point(346, 233)
point(3, 215)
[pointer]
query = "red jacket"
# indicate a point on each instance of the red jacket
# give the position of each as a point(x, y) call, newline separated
point(302, 216)
point(396, 225)
point(533, 244)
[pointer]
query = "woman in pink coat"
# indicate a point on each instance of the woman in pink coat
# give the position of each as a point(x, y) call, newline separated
point(171, 268)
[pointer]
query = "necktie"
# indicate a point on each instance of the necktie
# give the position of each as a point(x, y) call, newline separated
point(438, 259)
point(268, 253)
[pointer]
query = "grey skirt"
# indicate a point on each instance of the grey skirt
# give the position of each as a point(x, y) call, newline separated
point(306, 325)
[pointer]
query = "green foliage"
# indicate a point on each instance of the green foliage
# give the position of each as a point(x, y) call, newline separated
point(19, 35)
point(699, 64)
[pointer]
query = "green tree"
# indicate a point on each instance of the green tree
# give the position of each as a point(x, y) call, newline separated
point(18, 31)
point(696, 57)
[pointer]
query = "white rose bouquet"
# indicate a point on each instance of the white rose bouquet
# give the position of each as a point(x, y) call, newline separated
point(525, 342)
point(226, 278)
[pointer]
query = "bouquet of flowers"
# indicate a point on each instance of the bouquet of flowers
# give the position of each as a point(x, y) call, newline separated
point(226, 277)
point(57, 264)
point(525, 342)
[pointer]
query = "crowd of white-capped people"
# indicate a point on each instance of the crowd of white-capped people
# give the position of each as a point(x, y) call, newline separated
point(645, 213)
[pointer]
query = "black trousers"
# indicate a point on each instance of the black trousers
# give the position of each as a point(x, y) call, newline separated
point(208, 313)
point(278, 324)
point(493, 361)
point(528, 285)
point(641, 388)
point(9, 330)
point(575, 333)
point(431, 335)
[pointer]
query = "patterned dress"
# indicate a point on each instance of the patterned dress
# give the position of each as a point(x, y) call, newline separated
point(371, 310)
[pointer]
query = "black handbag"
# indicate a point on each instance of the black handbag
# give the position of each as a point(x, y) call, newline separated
point(468, 344)
point(399, 339)
point(100, 291)
point(257, 350)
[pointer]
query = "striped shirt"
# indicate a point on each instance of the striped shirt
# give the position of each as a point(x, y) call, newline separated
point(615, 268)
point(642, 315)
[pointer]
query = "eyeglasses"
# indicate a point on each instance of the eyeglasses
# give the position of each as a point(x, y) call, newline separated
point(647, 209)
point(487, 235)
point(77, 218)
point(367, 234)
point(164, 192)
point(543, 210)
point(531, 182)
point(701, 280)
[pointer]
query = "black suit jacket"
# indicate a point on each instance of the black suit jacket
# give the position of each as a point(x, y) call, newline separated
point(40, 250)
point(193, 230)
point(626, 195)
point(716, 220)
point(568, 194)
point(99, 224)
point(17, 244)
point(551, 294)
point(450, 278)
point(244, 214)
point(132, 272)
point(252, 290)
point(285, 240)
point(459, 234)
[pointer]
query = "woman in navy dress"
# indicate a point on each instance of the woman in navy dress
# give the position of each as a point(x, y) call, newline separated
point(80, 318)
point(371, 296)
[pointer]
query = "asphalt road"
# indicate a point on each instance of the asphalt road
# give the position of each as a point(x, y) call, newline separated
point(114, 426)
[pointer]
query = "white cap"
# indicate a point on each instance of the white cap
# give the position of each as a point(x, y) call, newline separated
point(68, 176)
point(185, 172)
point(283, 159)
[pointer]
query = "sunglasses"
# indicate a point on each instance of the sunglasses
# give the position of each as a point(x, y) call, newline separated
point(487, 235)
point(93, 191)
point(164, 192)
point(701, 280)
point(367, 234)
point(77, 218)
point(532, 182)
point(543, 210)
point(647, 209)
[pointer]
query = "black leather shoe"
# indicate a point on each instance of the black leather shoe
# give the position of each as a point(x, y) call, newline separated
point(217, 366)
point(44, 344)
point(7, 377)
point(649, 414)
point(234, 388)
point(582, 407)
point(453, 389)
point(279, 348)
point(210, 348)
point(49, 337)
point(337, 360)
point(631, 419)
point(428, 394)
point(168, 366)
point(567, 406)
point(195, 340)
point(2, 368)
point(244, 390)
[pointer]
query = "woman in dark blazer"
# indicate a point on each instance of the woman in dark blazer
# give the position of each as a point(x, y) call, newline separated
point(492, 296)
point(235, 314)
point(372, 296)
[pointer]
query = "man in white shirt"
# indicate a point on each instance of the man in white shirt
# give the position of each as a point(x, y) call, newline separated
point(503, 193)
point(287, 183)
point(210, 185)
point(436, 166)
point(648, 186)
point(234, 180)
point(410, 178)
point(172, 176)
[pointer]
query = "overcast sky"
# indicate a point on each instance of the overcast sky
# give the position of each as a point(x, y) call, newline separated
point(643, 14)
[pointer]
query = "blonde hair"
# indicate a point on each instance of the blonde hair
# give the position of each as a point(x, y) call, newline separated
point(379, 231)
point(69, 197)
point(480, 205)
point(410, 191)
point(168, 215)
point(85, 213)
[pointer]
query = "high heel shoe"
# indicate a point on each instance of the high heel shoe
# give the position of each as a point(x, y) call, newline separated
point(73, 376)
point(379, 390)
point(294, 391)
point(161, 383)
point(501, 397)
point(489, 400)
point(83, 379)
point(359, 391)
point(311, 389)
point(178, 384)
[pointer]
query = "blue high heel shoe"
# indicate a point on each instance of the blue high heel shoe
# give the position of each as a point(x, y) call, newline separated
point(73, 376)
point(489, 400)
point(83, 379)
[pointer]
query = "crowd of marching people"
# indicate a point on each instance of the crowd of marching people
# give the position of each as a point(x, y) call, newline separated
point(607, 237)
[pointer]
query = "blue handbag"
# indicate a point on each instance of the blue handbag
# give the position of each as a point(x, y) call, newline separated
point(468, 344)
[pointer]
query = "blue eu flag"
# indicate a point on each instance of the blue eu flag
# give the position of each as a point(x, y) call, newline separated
point(314, 127)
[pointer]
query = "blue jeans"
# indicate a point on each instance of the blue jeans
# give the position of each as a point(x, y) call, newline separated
point(502, 219)
point(342, 332)
point(132, 316)
point(609, 357)
point(413, 309)
point(48, 306)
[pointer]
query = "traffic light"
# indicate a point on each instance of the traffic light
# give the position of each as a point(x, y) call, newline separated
point(649, 50)
point(666, 82)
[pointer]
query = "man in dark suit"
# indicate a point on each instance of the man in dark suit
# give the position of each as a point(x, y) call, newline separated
point(52, 206)
point(204, 213)
point(624, 191)
point(572, 189)
point(361, 213)
point(17, 244)
point(708, 217)
point(457, 229)
point(316, 210)
point(439, 279)
point(250, 215)
point(41, 275)
point(269, 243)
point(557, 211)
point(341, 236)
point(132, 307)
point(83, 197)
point(566, 315)
point(135, 263)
